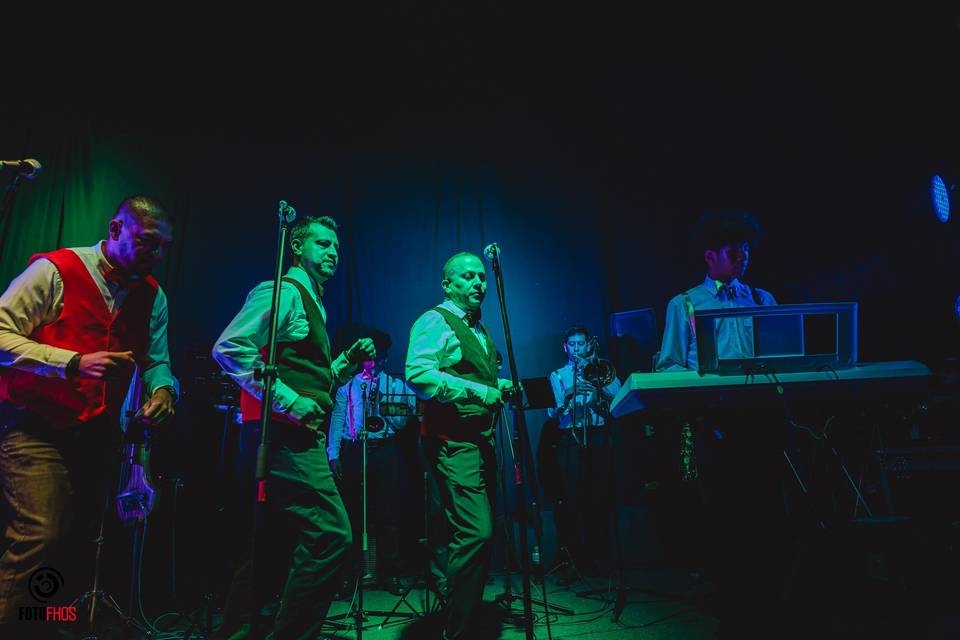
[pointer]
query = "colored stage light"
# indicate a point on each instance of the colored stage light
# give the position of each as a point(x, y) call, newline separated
point(940, 194)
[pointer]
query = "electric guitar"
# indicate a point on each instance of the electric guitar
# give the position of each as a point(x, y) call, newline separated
point(136, 496)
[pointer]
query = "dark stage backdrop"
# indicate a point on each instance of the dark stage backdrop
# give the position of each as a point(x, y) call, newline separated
point(586, 143)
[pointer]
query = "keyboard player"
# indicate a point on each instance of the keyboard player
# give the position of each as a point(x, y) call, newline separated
point(736, 535)
point(726, 240)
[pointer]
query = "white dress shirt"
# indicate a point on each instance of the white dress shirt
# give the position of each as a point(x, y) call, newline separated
point(434, 346)
point(348, 411)
point(587, 403)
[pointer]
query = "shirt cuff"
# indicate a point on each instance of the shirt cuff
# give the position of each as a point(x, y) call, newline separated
point(488, 397)
point(58, 359)
point(162, 382)
point(283, 397)
point(169, 388)
point(341, 368)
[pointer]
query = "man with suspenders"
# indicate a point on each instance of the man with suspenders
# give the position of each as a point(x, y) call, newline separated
point(731, 448)
point(725, 240)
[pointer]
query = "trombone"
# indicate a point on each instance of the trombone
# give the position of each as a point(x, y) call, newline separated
point(591, 368)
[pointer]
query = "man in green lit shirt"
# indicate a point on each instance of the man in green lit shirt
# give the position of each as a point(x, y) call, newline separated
point(452, 366)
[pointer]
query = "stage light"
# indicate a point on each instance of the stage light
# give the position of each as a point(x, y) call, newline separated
point(940, 195)
point(956, 307)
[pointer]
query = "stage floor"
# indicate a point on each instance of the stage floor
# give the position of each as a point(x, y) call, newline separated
point(661, 604)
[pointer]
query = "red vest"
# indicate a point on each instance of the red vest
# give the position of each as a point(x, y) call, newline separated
point(85, 325)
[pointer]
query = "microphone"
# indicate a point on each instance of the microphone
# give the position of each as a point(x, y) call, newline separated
point(286, 212)
point(491, 252)
point(28, 168)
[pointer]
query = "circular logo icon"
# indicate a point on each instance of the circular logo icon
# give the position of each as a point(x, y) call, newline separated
point(44, 583)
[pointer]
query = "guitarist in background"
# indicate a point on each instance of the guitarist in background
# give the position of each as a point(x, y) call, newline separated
point(73, 326)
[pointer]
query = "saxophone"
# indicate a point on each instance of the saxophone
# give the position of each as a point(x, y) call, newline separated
point(688, 459)
point(371, 407)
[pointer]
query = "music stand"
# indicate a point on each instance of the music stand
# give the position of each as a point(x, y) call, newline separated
point(786, 337)
point(539, 393)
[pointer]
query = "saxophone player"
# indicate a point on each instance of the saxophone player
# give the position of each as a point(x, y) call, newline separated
point(357, 405)
point(582, 388)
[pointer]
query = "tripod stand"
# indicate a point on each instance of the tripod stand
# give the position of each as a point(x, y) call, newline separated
point(612, 439)
point(507, 598)
point(359, 614)
point(97, 595)
point(429, 583)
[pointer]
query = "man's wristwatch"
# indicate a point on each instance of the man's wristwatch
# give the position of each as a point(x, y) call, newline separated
point(73, 367)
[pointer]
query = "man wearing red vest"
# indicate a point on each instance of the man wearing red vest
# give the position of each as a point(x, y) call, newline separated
point(73, 326)
point(452, 365)
point(302, 499)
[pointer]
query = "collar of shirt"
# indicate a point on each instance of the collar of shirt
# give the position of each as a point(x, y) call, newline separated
point(470, 318)
point(714, 287)
point(301, 276)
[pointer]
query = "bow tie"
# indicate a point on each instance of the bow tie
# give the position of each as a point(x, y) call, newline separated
point(122, 278)
point(729, 291)
point(471, 318)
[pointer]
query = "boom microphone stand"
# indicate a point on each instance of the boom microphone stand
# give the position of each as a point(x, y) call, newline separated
point(492, 253)
point(285, 215)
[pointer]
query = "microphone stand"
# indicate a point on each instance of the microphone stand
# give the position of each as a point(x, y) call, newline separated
point(285, 215)
point(6, 205)
point(520, 437)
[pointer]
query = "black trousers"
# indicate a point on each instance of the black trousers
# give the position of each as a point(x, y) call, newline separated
point(302, 530)
point(584, 508)
point(465, 474)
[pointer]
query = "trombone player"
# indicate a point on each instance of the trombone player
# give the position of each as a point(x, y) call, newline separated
point(582, 390)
